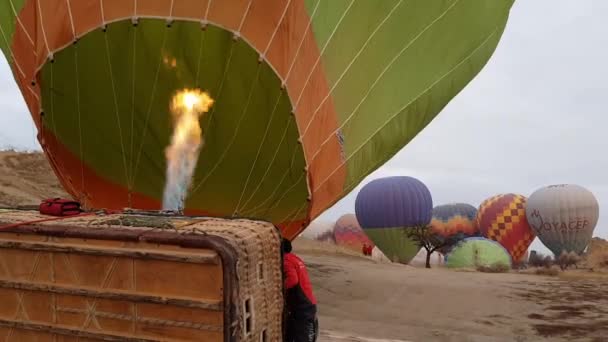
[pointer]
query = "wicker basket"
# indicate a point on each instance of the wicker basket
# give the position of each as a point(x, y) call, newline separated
point(138, 278)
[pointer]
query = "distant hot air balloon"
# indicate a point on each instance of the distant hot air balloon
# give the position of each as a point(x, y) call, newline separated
point(348, 233)
point(386, 207)
point(451, 219)
point(477, 251)
point(563, 217)
point(310, 95)
point(503, 218)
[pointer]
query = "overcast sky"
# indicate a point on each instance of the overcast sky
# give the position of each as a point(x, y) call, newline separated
point(534, 116)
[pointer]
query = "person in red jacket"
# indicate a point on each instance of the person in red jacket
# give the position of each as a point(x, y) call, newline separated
point(300, 303)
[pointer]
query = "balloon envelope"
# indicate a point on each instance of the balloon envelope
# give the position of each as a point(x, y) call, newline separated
point(348, 233)
point(386, 207)
point(477, 251)
point(310, 95)
point(451, 219)
point(563, 217)
point(503, 218)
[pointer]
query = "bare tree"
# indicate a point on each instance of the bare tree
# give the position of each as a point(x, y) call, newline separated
point(539, 260)
point(566, 260)
point(431, 241)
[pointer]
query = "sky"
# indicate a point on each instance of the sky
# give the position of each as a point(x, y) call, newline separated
point(534, 116)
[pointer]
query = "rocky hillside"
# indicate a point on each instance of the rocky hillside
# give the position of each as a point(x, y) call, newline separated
point(597, 253)
point(26, 178)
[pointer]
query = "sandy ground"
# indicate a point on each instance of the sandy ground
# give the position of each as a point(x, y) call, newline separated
point(26, 178)
point(384, 302)
point(372, 301)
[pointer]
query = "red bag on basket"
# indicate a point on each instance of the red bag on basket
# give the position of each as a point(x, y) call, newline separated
point(59, 207)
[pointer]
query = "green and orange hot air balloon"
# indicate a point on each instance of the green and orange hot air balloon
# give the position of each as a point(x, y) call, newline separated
point(310, 96)
point(502, 218)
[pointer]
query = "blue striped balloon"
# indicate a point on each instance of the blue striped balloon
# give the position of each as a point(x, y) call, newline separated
point(387, 207)
point(394, 202)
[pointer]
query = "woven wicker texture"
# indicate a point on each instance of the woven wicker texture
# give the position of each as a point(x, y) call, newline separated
point(130, 279)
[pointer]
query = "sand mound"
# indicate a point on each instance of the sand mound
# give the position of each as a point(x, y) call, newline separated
point(597, 255)
point(26, 178)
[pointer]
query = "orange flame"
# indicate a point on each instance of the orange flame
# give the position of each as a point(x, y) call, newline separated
point(187, 106)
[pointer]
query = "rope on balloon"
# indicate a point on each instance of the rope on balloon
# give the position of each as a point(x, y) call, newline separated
point(236, 130)
point(200, 55)
point(392, 116)
point(207, 10)
point(295, 57)
point(257, 155)
point(80, 145)
point(313, 68)
point(270, 197)
point(321, 53)
point(364, 98)
point(146, 122)
point(8, 48)
point(262, 56)
point(369, 39)
point(116, 110)
point(255, 191)
point(380, 76)
point(52, 100)
point(293, 215)
point(312, 16)
point(244, 17)
point(287, 191)
point(130, 179)
point(46, 42)
point(221, 87)
point(27, 34)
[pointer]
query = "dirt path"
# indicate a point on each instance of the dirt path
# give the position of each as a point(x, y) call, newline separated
point(384, 302)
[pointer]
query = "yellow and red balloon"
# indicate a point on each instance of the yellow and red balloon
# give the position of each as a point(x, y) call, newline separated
point(502, 218)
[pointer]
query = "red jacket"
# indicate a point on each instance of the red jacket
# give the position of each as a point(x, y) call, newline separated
point(299, 290)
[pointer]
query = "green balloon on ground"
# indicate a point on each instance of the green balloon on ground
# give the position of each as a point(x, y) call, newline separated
point(395, 244)
point(475, 252)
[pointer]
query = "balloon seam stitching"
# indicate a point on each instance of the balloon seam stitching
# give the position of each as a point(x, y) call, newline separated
point(85, 32)
point(27, 34)
point(388, 66)
point(348, 67)
point(8, 45)
point(283, 84)
point(46, 43)
point(401, 109)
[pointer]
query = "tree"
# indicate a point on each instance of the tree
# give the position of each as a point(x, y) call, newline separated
point(431, 241)
point(539, 260)
point(566, 260)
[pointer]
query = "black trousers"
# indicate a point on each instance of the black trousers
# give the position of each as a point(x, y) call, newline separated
point(302, 329)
